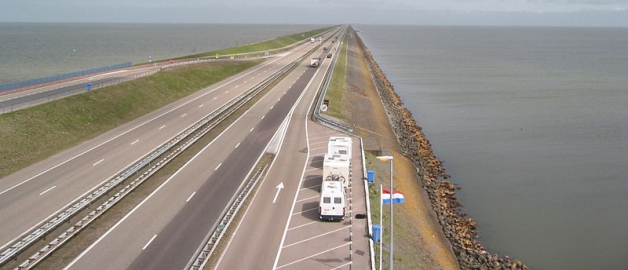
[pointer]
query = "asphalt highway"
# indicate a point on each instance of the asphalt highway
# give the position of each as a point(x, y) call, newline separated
point(166, 229)
point(286, 233)
point(44, 188)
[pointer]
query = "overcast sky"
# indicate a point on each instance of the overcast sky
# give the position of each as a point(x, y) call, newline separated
point(421, 12)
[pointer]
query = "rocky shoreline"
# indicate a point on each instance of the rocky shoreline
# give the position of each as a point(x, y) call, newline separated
point(459, 229)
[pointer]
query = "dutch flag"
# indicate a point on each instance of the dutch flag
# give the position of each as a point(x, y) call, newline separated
point(397, 197)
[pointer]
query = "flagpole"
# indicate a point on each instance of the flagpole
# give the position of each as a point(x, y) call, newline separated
point(381, 225)
point(392, 227)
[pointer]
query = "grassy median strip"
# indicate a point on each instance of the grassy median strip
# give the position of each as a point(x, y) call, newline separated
point(35, 133)
point(337, 84)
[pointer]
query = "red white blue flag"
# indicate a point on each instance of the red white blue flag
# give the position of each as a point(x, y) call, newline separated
point(397, 197)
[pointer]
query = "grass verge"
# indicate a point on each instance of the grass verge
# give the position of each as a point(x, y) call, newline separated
point(32, 134)
point(336, 85)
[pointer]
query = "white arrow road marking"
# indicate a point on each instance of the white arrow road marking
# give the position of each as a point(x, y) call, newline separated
point(279, 188)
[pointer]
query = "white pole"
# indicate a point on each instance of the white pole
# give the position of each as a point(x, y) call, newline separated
point(381, 225)
point(391, 215)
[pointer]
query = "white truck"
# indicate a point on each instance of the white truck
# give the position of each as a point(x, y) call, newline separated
point(315, 62)
point(332, 205)
point(336, 169)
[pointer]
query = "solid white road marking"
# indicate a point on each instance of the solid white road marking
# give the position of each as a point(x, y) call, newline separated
point(303, 225)
point(47, 190)
point(149, 241)
point(314, 255)
point(314, 237)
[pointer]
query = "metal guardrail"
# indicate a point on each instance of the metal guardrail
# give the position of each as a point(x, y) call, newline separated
point(15, 85)
point(216, 116)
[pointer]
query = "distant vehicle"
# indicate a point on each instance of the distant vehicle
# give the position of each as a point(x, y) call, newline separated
point(312, 40)
point(315, 62)
point(332, 204)
point(324, 48)
point(329, 55)
point(333, 41)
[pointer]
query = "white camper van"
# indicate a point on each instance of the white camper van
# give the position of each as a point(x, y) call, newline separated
point(332, 203)
point(337, 168)
point(340, 146)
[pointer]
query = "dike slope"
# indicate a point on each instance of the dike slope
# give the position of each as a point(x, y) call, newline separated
point(458, 229)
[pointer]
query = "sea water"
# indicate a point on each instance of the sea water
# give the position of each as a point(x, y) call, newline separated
point(532, 122)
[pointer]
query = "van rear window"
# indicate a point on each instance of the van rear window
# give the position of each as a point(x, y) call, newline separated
point(337, 200)
point(326, 199)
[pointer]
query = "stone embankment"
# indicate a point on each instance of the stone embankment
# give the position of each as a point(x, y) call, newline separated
point(458, 228)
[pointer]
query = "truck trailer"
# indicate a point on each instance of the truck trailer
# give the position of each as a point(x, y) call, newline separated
point(315, 62)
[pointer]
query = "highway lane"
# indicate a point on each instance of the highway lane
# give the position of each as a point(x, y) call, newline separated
point(298, 166)
point(42, 189)
point(213, 177)
point(257, 244)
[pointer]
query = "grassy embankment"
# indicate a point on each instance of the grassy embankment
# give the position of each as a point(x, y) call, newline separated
point(354, 99)
point(35, 133)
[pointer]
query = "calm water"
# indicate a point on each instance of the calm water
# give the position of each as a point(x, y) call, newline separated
point(533, 123)
point(35, 50)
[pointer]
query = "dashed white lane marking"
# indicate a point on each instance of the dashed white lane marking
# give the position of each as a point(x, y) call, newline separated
point(218, 166)
point(237, 145)
point(189, 198)
point(44, 192)
point(201, 106)
point(136, 141)
point(98, 162)
point(162, 127)
point(184, 115)
point(149, 241)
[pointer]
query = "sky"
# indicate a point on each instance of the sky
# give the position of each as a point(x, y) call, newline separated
point(413, 12)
